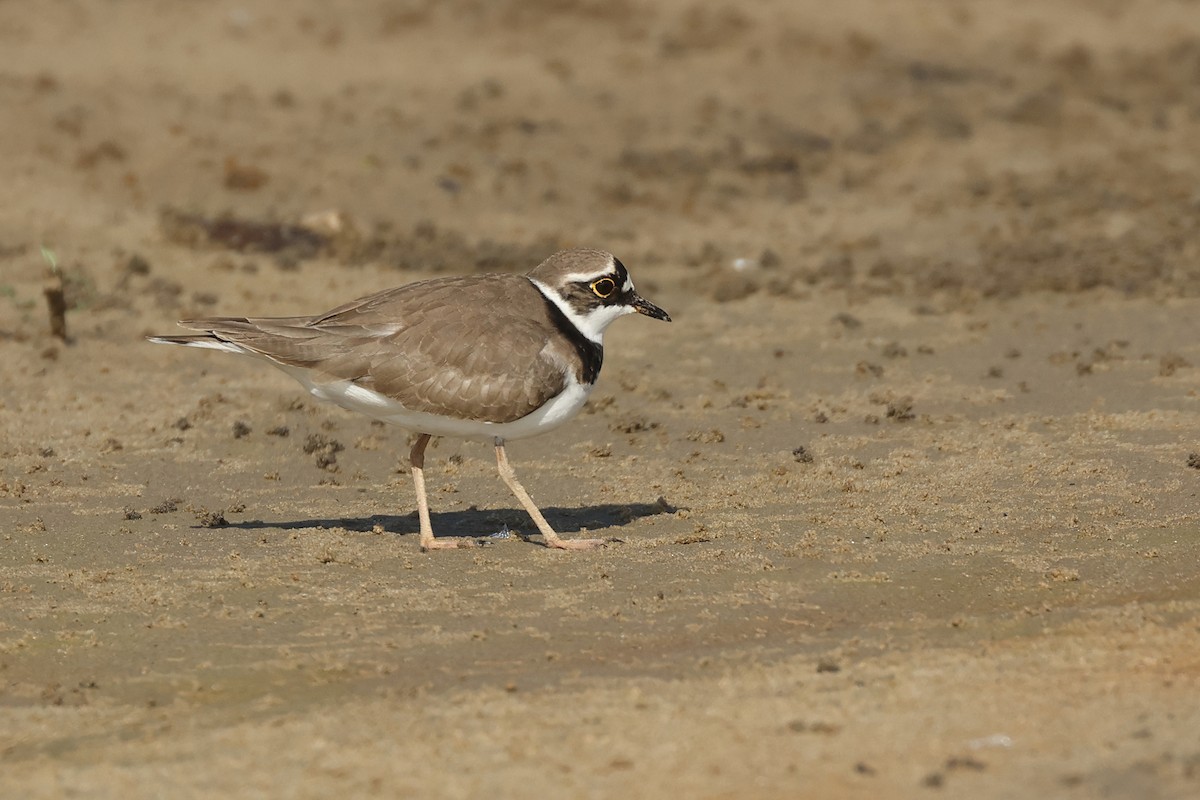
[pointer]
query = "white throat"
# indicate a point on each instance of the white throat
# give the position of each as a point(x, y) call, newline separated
point(591, 324)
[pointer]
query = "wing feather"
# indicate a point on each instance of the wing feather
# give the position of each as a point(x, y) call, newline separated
point(432, 346)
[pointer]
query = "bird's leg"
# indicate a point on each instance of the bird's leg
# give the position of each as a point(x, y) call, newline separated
point(416, 459)
point(552, 538)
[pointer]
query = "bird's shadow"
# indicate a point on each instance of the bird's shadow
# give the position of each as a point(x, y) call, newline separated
point(477, 523)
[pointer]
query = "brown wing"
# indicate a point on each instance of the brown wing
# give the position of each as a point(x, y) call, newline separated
point(432, 346)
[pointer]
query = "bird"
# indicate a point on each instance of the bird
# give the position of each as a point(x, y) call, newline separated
point(493, 357)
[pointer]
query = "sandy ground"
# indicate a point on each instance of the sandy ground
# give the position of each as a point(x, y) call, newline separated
point(906, 494)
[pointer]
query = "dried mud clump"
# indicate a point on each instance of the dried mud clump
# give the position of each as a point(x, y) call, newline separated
point(324, 450)
point(901, 409)
point(865, 368)
point(802, 455)
point(633, 424)
point(211, 519)
point(1170, 363)
point(244, 177)
point(847, 321)
point(168, 506)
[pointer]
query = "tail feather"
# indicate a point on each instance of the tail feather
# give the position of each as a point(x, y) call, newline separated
point(207, 341)
point(284, 340)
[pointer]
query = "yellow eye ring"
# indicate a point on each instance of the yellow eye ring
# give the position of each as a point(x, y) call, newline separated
point(604, 287)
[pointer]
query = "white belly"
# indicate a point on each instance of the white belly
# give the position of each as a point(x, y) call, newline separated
point(559, 409)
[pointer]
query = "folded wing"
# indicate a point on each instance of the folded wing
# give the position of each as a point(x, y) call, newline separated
point(419, 345)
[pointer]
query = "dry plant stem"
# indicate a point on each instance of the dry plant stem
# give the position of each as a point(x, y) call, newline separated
point(56, 300)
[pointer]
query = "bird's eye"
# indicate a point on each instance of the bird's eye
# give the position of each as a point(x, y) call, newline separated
point(604, 287)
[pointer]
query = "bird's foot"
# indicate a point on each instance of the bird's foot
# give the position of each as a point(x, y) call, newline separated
point(446, 544)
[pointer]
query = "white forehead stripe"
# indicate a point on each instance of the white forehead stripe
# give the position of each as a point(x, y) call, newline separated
point(585, 277)
point(588, 277)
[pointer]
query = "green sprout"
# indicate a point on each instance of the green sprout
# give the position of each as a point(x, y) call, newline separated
point(51, 259)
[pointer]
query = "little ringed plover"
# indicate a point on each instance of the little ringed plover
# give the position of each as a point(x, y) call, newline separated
point(491, 357)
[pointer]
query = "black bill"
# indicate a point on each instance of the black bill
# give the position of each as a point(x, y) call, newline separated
point(644, 306)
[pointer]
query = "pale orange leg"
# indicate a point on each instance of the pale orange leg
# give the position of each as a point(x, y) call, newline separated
point(552, 538)
point(416, 459)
